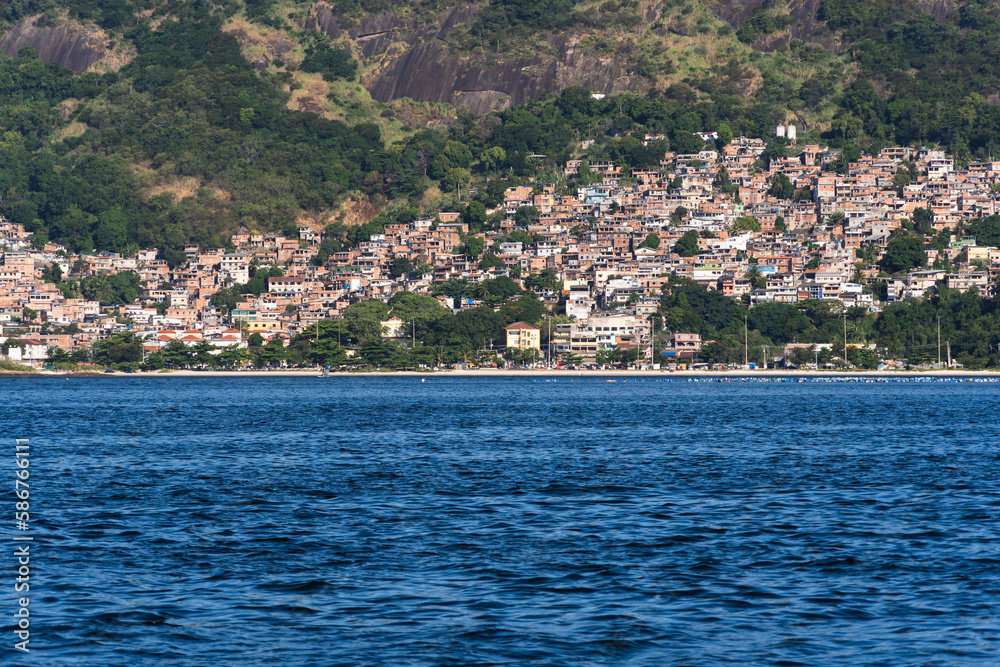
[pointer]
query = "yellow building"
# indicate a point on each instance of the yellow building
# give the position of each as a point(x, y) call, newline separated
point(393, 328)
point(523, 336)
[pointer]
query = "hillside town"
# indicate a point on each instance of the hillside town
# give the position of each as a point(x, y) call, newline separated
point(790, 231)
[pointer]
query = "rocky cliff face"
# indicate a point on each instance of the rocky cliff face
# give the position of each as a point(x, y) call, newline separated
point(410, 59)
point(409, 54)
point(805, 25)
point(70, 45)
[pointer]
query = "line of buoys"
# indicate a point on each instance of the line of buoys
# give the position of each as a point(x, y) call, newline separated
point(827, 379)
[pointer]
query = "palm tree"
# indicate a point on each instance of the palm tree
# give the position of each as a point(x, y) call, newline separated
point(757, 278)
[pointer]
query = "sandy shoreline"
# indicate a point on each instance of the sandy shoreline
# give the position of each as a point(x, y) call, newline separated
point(514, 373)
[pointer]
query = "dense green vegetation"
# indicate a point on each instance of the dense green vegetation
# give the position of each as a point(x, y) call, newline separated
point(764, 20)
point(436, 336)
point(906, 330)
point(188, 105)
point(504, 20)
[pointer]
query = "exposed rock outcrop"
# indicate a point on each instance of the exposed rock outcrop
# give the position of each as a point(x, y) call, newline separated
point(410, 59)
point(69, 45)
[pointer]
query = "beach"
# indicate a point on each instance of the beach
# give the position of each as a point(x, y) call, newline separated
point(547, 373)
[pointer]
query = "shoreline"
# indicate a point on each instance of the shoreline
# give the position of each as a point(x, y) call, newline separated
point(547, 373)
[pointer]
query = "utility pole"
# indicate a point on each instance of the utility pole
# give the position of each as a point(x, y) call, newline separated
point(845, 334)
point(746, 344)
point(763, 356)
point(652, 339)
point(939, 341)
point(548, 347)
point(948, 343)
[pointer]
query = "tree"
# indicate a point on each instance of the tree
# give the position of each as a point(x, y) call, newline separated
point(176, 353)
point(986, 230)
point(52, 273)
point(231, 357)
point(474, 246)
point(677, 215)
point(456, 288)
point(651, 241)
point(364, 319)
point(120, 348)
point(326, 352)
point(687, 245)
point(867, 358)
point(904, 253)
point(800, 356)
point(779, 224)
point(456, 178)
point(492, 157)
point(400, 266)
point(490, 261)
point(57, 355)
point(383, 353)
point(153, 362)
point(781, 187)
point(474, 216)
point(526, 215)
point(202, 354)
point(496, 290)
point(529, 308)
point(272, 354)
point(126, 286)
point(331, 63)
point(922, 221)
point(546, 279)
point(112, 230)
point(723, 182)
point(226, 298)
point(746, 223)
point(725, 135)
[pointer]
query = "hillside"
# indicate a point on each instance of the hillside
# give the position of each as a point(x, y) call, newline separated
point(178, 121)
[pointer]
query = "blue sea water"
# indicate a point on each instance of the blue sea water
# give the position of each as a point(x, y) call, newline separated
point(389, 521)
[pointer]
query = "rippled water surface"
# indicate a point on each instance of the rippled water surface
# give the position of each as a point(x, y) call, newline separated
point(386, 521)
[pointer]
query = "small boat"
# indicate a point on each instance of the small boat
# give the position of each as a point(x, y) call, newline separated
point(611, 380)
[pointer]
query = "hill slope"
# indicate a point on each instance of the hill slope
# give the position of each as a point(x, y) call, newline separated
point(179, 121)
